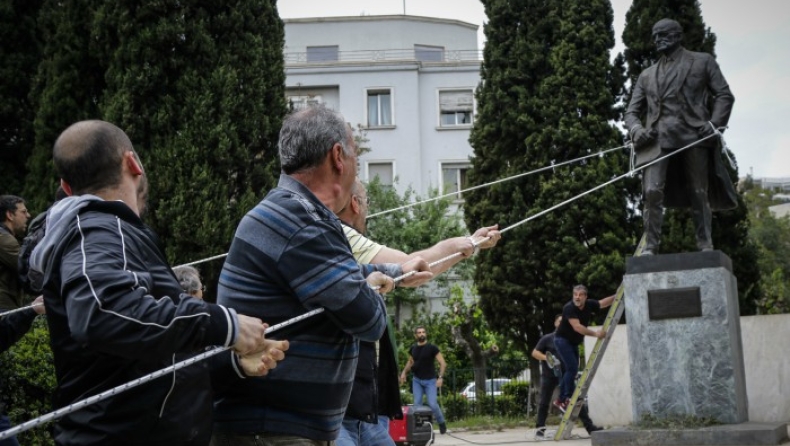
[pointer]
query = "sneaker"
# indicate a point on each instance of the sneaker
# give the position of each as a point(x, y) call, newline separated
point(593, 428)
point(561, 405)
point(442, 428)
point(540, 432)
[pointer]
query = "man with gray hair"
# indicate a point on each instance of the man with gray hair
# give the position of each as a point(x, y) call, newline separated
point(289, 256)
point(676, 102)
point(576, 317)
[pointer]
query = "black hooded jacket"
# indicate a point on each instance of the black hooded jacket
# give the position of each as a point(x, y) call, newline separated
point(116, 312)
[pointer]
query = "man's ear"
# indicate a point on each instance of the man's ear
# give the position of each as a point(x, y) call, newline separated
point(65, 186)
point(354, 204)
point(338, 155)
point(131, 162)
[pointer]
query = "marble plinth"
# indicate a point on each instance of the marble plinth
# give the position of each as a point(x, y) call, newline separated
point(686, 358)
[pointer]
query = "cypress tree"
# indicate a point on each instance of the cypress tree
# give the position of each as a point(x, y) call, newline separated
point(20, 54)
point(547, 95)
point(68, 86)
point(730, 229)
point(199, 88)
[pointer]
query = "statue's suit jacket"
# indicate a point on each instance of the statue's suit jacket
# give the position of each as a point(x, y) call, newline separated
point(705, 97)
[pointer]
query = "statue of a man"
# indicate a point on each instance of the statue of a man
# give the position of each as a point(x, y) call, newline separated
point(676, 102)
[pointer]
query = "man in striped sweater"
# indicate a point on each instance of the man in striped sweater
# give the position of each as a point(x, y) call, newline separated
point(289, 256)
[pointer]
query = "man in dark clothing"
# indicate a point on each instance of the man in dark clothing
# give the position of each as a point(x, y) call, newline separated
point(425, 381)
point(12, 328)
point(15, 216)
point(116, 311)
point(676, 102)
point(550, 379)
point(576, 316)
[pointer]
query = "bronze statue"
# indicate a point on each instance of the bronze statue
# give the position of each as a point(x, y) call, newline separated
point(676, 102)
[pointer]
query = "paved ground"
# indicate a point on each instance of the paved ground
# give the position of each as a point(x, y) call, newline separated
point(505, 437)
point(509, 437)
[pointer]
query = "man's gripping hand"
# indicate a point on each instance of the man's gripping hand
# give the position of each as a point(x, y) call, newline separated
point(251, 335)
point(422, 272)
point(260, 362)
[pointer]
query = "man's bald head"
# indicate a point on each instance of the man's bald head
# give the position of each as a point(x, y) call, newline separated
point(89, 156)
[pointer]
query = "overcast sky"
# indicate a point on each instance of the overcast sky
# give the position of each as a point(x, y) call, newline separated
point(753, 50)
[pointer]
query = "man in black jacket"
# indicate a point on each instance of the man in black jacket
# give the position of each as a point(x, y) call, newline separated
point(116, 311)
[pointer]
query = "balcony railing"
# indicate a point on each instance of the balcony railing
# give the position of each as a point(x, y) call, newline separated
point(442, 56)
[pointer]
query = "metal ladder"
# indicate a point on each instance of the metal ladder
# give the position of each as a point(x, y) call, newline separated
point(583, 385)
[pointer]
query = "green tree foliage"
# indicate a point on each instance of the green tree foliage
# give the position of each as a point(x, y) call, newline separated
point(547, 95)
point(730, 229)
point(772, 236)
point(20, 54)
point(199, 88)
point(69, 84)
point(28, 382)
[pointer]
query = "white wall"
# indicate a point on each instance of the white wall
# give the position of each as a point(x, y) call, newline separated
point(767, 373)
point(379, 33)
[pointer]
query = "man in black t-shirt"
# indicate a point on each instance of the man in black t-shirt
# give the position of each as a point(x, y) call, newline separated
point(576, 316)
point(425, 381)
point(550, 379)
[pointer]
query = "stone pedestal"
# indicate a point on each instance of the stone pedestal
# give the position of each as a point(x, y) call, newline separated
point(684, 337)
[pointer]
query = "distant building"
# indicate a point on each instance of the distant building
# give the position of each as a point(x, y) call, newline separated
point(777, 183)
point(407, 81)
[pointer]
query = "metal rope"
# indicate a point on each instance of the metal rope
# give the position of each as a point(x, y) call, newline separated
point(142, 380)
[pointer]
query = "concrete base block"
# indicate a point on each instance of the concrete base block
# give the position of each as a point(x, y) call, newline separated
point(684, 337)
point(741, 434)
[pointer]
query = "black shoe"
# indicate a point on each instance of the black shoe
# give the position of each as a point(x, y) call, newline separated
point(593, 428)
point(540, 432)
point(442, 428)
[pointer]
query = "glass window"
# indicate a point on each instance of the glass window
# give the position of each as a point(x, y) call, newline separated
point(454, 178)
point(379, 108)
point(322, 53)
point(427, 53)
point(383, 170)
point(456, 107)
point(301, 102)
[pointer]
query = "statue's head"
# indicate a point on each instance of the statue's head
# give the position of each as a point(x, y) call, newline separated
point(667, 35)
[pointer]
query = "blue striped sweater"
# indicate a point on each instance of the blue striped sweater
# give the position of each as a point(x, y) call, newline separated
point(289, 256)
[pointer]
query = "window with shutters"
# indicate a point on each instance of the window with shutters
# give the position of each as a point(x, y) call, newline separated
point(384, 170)
point(456, 108)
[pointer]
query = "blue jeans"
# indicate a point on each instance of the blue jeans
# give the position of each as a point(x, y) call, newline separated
point(5, 424)
point(569, 355)
point(427, 387)
point(359, 433)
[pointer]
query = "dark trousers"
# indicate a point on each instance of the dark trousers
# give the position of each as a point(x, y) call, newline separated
point(695, 175)
point(569, 356)
point(547, 386)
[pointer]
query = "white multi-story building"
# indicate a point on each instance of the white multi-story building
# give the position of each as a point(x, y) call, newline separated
point(406, 82)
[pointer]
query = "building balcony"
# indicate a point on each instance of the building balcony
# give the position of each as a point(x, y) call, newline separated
point(328, 56)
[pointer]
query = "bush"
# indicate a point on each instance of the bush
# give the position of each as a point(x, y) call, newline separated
point(519, 390)
point(454, 407)
point(27, 381)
